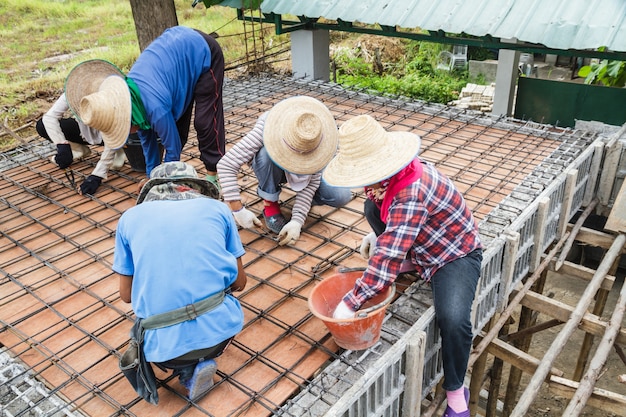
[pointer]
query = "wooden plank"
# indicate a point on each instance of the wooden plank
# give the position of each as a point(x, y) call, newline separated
point(588, 382)
point(570, 269)
point(594, 172)
point(593, 237)
point(532, 389)
point(616, 221)
point(516, 357)
point(607, 401)
point(543, 208)
point(589, 323)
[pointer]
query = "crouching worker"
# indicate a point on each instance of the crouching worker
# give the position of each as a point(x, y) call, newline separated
point(72, 138)
point(415, 210)
point(290, 144)
point(178, 256)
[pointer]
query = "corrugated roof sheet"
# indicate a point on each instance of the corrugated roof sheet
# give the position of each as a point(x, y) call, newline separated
point(558, 24)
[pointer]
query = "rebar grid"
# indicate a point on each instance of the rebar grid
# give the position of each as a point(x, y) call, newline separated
point(60, 311)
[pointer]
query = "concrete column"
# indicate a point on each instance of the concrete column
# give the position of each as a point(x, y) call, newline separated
point(506, 79)
point(310, 54)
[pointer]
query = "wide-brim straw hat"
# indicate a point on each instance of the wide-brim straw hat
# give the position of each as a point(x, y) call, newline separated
point(97, 94)
point(176, 172)
point(300, 135)
point(369, 154)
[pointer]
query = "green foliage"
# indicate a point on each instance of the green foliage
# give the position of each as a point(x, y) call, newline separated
point(42, 40)
point(414, 76)
point(605, 72)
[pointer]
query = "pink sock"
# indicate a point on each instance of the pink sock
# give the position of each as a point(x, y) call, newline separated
point(456, 400)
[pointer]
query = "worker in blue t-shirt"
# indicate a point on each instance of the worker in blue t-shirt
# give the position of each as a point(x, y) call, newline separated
point(178, 247)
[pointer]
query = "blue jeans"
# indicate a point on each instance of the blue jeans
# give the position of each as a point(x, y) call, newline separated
point(454, 287)
point(271, 177)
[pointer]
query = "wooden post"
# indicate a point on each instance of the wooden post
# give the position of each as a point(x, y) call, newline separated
point(598, 309)
point(415, 351)
point(540, 232)
point(572, 236)
point(496, 379)
point(566, 206)
point(530, 393)
point(585, 388)
point(526, 320)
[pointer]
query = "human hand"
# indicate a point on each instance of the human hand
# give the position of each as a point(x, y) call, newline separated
point(64, 156)
point(141, 184)
point(289, 233)
point(245, 218)
point(368, 245)
point(90, 185)
point(342, 311)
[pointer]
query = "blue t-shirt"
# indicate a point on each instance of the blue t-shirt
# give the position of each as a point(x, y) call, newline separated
point(180, 252)
point(166, 73)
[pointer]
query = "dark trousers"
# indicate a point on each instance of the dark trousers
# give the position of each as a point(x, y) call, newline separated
point(69, 127)
point(184, 366)
point(209, 116)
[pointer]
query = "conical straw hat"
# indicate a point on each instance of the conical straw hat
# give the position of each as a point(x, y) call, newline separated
point(300, 135)
point(369, 154)
point(109, 111)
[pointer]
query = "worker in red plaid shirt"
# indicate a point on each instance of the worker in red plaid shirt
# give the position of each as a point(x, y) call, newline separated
point(418, 218)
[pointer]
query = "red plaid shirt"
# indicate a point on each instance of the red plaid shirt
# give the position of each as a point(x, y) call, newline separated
point(428, 219)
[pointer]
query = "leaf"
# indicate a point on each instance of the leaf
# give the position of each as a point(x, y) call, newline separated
point(584, 71)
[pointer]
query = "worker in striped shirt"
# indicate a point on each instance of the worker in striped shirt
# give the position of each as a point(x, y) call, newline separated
point(289, 145)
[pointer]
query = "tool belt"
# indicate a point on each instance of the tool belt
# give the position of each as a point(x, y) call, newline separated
point(133, 363)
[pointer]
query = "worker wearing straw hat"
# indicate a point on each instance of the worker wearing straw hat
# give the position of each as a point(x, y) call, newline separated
point(178, 254)
point(72, 139)
point(181, 67)
point(290, 144)
point(415, 211)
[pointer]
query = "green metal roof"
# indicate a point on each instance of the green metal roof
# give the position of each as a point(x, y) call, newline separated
point(557, 24)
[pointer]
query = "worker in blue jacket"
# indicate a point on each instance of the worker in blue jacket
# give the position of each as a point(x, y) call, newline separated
point(181, 67)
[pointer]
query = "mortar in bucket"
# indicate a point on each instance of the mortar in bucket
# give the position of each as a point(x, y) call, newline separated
point(359, 332)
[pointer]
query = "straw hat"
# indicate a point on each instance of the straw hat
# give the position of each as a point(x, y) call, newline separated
point(369, 154)
point(171, 173)
point(97, 93)
point(300, 135)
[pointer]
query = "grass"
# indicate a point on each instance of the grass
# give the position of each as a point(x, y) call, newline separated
point(41, 41)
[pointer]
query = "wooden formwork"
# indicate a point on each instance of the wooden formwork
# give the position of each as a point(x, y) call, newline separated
point(580, 390)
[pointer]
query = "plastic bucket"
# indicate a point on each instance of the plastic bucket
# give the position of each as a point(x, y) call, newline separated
point(355, 333)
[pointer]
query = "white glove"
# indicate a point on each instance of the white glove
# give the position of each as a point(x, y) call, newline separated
point(245, 218)
point(289, 233)
point(342, 311)
point(368, 245)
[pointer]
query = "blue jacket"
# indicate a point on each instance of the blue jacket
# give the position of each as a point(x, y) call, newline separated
point(166, 74)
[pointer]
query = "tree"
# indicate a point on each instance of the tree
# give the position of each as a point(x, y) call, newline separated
point(152, 18)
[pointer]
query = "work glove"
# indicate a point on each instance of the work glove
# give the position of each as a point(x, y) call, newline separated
point(245, 218)
point(368, 245)
point(289, 233)
point(64, 156)
point(90, 185)
point(342, 311)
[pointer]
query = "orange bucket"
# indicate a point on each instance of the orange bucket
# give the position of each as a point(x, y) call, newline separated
point(356, 333)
